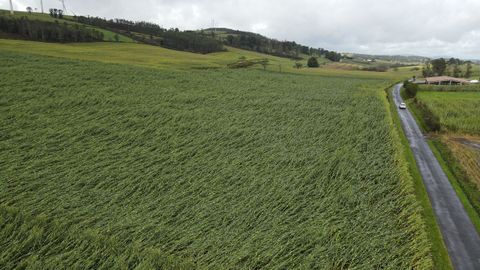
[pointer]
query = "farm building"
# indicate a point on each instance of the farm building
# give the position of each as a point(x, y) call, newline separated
point(445, 80)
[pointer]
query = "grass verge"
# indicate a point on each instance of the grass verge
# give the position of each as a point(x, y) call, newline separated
point(440, 257)
point(468, 194)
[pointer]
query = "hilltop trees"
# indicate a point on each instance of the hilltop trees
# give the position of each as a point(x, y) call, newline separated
point(439, 66)
point(333, 56)
point(450, 67)
point(259, 43)
point(48, 31)
point(312, 62)
point(154, 34)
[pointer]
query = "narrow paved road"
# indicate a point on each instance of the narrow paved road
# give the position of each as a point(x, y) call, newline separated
point(461, 238)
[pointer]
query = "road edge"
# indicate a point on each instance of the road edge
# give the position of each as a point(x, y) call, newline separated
point(439, 253)
point(451, 175)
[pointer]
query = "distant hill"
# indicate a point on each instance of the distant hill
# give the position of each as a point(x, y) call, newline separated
point(407, 59)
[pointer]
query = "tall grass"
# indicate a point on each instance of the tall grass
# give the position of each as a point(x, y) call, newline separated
point(450, 88)
point(457, 111)
point(225, 169)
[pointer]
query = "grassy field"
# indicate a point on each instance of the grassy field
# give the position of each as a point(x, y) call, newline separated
point(107, 35)
point(458, 111)
point(157, 57)
point(450, 88)
point(106, 165)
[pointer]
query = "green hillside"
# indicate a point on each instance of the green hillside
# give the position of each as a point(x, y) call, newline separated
point(157, 57)
point(107, 35)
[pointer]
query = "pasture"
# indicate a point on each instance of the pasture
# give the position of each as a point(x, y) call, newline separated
point(208, 169)
point(162, 58)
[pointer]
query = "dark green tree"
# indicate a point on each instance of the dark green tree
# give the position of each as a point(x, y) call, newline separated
point(439, 66)
point(427, 70)
point(468, 72)
point(312, 62)
point(411, 89)
point(457, 72)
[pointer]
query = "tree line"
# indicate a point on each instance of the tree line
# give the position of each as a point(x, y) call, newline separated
point(48, 31)
point(261, 44)
point(154, 34)
point(451, 67)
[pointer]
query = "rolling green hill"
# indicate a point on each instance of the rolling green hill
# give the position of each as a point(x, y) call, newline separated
point(108, 35)
point(157, 57)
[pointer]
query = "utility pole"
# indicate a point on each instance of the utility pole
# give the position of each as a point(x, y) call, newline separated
point(213, 26)
point(63, 4)
point(41, 5)
point(11, 7)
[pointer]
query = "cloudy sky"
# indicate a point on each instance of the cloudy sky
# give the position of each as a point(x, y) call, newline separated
point(420, 27)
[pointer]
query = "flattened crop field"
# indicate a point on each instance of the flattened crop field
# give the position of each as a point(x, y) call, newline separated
point(114, 166)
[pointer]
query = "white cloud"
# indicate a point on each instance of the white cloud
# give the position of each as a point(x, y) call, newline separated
point(424, 27)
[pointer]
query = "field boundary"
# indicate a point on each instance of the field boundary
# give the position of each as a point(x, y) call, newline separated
point(441, 259)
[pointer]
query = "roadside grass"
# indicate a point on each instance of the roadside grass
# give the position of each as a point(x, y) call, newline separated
point(466, 191)
point(157, 57)
point(465, 188)
point(450, 88)
point(441, 259)
point(226, 168)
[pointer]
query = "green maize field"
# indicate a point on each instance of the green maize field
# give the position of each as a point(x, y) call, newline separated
point(107, 166)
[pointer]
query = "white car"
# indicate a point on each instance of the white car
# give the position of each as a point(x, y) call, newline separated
point(402, 106)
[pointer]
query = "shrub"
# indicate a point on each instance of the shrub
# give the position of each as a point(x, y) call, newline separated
point(312, 62)
point(431, 120)
point(411, 89)
point(380, 68)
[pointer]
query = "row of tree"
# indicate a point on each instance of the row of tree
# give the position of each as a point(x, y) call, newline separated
point(451, 67)
point(48, 31)
point(332, 56)
point(54, 13)
point(154, 34)
point(259, 43)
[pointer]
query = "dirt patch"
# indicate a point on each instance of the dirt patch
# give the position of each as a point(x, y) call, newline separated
point(475, 144)
point(342, 66)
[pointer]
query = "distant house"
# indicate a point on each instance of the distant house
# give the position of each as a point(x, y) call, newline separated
point(445, 80)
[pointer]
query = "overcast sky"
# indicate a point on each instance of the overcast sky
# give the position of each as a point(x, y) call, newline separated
point(420, 27)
